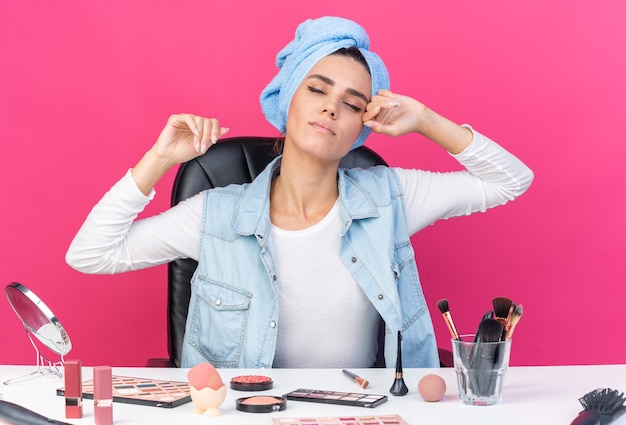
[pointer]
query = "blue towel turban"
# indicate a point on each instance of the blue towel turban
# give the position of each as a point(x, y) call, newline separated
point(316, 39)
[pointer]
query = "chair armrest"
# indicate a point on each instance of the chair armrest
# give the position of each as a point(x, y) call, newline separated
point(159, 362)
point(445, 358)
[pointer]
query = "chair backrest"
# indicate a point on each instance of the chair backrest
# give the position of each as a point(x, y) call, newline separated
point(232, 160)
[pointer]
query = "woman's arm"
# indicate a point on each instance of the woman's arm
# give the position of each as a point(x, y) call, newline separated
point(492, 177)
point(111, 241)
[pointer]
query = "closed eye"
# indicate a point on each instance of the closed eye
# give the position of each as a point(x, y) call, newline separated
point(355, 108)
point(315, 90)
point(352, 106)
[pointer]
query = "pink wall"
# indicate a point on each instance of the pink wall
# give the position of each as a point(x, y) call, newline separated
point(85, 88)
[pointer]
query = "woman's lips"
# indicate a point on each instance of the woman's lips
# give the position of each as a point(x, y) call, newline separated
point(319, 126)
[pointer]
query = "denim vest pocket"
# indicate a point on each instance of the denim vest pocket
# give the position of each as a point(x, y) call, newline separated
point(218, 315)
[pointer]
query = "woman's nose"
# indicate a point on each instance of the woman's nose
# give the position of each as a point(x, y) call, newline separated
point(329, 110)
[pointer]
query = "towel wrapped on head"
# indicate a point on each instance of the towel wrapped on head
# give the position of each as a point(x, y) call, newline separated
point(316, 39)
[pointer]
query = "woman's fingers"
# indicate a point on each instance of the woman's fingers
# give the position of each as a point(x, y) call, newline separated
point(186, 134)
point(386, 93)
point(378, 106)
point(206, 138)
point(371, 111)
point(205, 131)
point(223, 131)
point(210, 133)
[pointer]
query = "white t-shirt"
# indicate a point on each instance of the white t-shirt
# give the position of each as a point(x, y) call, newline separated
point(320, 304)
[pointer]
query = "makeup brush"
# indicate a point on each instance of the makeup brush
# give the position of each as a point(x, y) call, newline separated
point(363, 383)
point(502, 310)
point(501, 306)
point(487, 315)
point(601, 407)
point(444, 308)
point(515, 318)
point(488, 330)
point(484, 355)
point(399, 387)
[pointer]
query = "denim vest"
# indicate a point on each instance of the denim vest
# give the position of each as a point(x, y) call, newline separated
point(233, 311)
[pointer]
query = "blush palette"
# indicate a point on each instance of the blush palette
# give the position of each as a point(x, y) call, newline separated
point(343, 420)
point(336, 397)
point(144, 391)
point(251, 383)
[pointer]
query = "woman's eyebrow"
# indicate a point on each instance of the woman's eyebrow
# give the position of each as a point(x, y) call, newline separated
point(330, 82)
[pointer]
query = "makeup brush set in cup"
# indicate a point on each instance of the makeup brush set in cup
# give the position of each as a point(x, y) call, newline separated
point(481, 359)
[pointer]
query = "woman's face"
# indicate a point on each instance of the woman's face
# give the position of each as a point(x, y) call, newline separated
point(324, 116)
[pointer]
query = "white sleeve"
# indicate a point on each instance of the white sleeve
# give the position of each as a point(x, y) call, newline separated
point(112, 241)
point(492, 177)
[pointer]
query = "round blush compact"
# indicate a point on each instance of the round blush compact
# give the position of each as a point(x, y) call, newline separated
point(251, 383)
point(261, 404)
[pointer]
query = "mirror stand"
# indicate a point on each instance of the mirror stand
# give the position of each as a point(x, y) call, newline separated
point(39, 322)
point(45, 367)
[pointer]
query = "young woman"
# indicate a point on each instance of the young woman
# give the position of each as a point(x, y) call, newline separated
point(297, 268)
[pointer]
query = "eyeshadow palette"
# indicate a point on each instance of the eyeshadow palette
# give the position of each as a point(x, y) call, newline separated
point(144, 391)
point(343, 420)
point(336, 397)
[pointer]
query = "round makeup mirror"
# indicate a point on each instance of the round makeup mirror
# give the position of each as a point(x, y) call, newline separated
point(39, 321)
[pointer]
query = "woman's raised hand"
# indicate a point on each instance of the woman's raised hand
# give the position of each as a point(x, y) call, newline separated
point(186, 136)
point(183, 138)
point(393, 114)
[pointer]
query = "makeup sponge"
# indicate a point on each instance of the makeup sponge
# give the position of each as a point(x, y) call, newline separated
point(206, 389)
point(431, 387)
point(204, 375)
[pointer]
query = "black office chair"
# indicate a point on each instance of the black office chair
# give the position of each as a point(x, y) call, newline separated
point(232, 160)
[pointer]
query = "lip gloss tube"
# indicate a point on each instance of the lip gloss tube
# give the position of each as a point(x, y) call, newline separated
point(103, 395)
point(73, 389)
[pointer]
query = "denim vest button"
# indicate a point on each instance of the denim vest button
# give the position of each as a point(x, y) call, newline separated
point(381, 297)
point(354, 259)
point(218, 302)
point(272, 324)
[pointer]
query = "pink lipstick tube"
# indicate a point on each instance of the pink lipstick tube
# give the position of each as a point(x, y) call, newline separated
point(73, 389)
point(103, 395)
